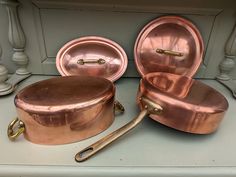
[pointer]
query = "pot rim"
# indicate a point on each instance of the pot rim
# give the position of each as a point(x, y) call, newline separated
point(29, 107)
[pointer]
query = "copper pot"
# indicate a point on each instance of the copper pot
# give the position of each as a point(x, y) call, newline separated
point(64, 109)
point(176, 101)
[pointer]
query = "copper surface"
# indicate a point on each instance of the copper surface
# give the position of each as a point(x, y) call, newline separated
point(174, 47)
point(169, 44)
point(188, 105)
point(66, 109)
point(176, 101)
point(81, 57)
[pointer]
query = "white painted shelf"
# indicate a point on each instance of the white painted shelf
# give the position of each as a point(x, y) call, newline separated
point(149, 150)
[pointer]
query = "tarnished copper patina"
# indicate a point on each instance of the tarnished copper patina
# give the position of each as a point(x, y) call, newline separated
point(92, 56)
point(168, 52)
point(64, 109)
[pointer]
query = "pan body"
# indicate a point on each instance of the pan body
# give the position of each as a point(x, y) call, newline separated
point(66, 109)
point(188, 105)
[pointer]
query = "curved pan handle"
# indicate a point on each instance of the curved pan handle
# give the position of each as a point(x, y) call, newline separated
point(12, 134)
point(150, 108)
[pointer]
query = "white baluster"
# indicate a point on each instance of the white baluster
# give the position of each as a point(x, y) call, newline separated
point(5, 87)
point(228, 64)
point(16, 37)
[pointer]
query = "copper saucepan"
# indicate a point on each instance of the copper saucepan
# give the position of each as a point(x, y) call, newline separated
point(177, 101)
point(64, 109)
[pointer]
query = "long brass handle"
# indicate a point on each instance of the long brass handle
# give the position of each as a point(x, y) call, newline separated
point(99, 61)
point(169, 52)
point(12, 134)
point(94, 148)
point(102, 143)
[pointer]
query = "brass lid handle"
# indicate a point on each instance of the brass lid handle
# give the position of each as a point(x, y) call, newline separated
point(99, 61)
point(14, 130)
point(169, 52)
point(118, 107)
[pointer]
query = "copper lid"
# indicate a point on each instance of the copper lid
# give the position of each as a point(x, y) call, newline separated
point(93, 56)
point(169, 44)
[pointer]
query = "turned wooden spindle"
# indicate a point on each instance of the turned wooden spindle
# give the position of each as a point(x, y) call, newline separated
point(16, 37)
point(228, 63)
point(4, 86)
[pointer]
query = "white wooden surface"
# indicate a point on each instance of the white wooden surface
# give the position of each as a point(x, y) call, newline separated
point(150, 149)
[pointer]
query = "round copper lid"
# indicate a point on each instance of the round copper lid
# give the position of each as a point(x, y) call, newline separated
point(92, 56)
point(169, 44)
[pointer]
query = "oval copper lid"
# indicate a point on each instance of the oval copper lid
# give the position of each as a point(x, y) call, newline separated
point(93, 56)
point(64, 93)
point(169, 44)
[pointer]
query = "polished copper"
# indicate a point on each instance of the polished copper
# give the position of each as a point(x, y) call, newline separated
point(169, 44)
point(174, 47)
point(66, 109)
point(176, 101)
point(188, 105)
point(92, 56)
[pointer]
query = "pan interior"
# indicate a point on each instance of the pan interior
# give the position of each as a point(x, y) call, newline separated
point(185, 89)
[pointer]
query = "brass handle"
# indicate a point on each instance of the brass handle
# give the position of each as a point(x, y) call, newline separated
point(12, 134)
point(169, 52)
point(89, 151)
point(118, 107)
point(91, 61)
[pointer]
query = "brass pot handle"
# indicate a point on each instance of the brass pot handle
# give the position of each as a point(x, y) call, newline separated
point(11, 132)
point(99, 61)
point(149, 108)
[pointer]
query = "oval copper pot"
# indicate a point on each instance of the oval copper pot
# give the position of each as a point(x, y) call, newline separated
point(176, 101)
point(64, 109)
